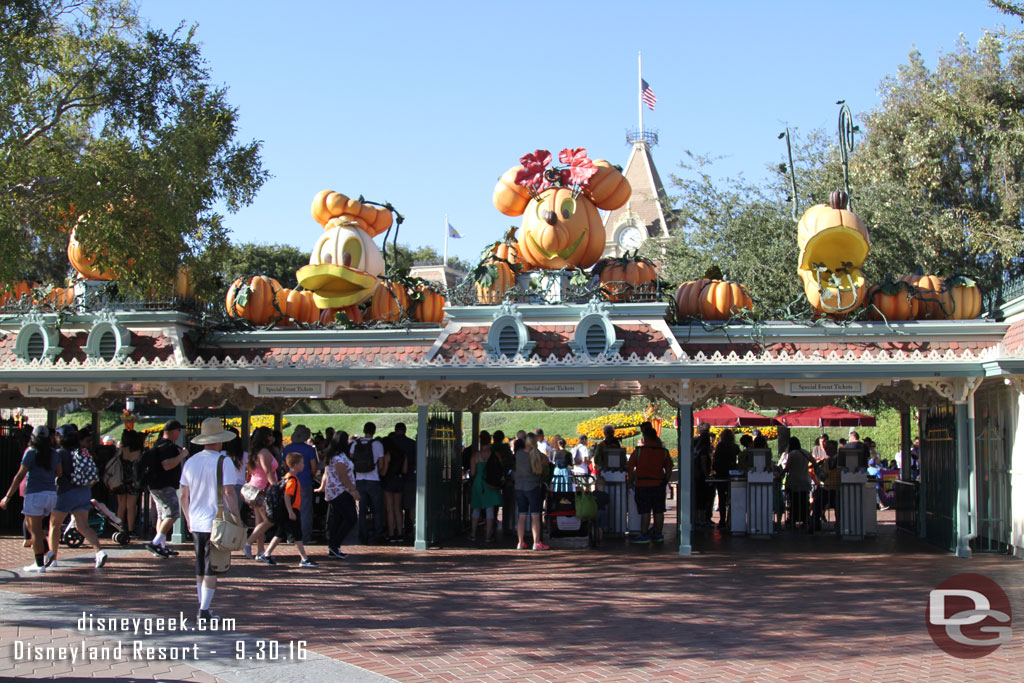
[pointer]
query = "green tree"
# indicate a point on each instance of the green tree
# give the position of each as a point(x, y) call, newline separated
point(937, 176)
point(115, 129)
point(279, 261)
point(407, 256)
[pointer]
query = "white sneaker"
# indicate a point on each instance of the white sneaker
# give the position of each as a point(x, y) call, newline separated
point(33, 569)
point(50, 559)
point(101, 558)
point(247, 551)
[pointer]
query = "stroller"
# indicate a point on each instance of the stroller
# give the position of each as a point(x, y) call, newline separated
point(99, 517)
point(561, 506)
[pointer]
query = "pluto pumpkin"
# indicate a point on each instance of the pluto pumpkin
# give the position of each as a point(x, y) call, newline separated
point(561, 226)
point(85, 263)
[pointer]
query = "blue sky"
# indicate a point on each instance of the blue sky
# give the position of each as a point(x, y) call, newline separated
point(426, 104)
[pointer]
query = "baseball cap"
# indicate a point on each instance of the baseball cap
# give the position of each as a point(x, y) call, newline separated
point(66, 429)
point(41, 431)
point(172, 425)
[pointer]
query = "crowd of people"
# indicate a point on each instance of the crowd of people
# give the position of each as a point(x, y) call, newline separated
point(809, 481)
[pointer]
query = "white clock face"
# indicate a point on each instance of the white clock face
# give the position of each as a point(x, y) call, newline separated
point(631, 238)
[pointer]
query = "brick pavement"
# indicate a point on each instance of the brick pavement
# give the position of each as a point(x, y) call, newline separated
point(803, 608)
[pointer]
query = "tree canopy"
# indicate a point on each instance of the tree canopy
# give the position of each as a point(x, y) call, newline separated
point(937, 176)
point(113, 129)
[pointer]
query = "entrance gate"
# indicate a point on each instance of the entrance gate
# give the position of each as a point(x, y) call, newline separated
point(444, 479)
point(939, 478)
point(992, 458)
point(12, 445)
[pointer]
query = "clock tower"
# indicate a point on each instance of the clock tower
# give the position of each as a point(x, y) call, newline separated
point(643, 216)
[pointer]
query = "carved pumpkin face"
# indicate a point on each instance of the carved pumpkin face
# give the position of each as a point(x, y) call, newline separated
point(343, 267)
point(560, 230)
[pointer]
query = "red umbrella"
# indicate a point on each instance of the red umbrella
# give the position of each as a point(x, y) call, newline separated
point(829, 416)
point(727, 415)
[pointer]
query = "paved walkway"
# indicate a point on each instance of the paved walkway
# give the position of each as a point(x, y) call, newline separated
point(811, 608)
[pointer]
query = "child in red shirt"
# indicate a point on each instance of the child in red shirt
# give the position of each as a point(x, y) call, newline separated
point(292, 504)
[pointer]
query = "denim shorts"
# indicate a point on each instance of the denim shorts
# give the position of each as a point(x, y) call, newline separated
point(530, 502)
point(73, 500)
point(39, 504)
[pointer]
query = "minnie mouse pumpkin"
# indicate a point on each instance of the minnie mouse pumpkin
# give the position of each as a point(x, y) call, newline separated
point(561, 226)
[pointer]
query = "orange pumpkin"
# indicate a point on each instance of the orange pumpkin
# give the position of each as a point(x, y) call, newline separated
point(933, 299)
point(183, 286)
point(832, 236)
point(560, 230)
point(328, 204)
point(253, 299)
point(430, 307)
point(509, 198)
point(890, 301)
point(60, 297)
point(297, 305)
point(831, 299)
point(608, 187)
point(354, 313)
point(711, 298)
point(14, 293)
point(504, 280)
point(621, 279)
point(84, 263)
point(965, 296)
point(390, 302)
point(510, 252)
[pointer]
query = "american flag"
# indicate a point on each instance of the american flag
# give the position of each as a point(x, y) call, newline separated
point(647, 95)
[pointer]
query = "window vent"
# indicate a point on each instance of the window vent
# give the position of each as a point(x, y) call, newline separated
point(508, 341)
point(36, 346)
point(108, 345)
point(595, 341)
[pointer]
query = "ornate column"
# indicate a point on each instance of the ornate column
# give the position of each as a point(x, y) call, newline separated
point(684, 394)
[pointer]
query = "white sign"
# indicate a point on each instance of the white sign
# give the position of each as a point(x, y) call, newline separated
point(833, 388)
point(551, 389)
point(56, 390)
point(290, 389)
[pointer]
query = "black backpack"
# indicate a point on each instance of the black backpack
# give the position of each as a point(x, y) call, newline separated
point(494, 472)
point(362, 456)
point(146, 467)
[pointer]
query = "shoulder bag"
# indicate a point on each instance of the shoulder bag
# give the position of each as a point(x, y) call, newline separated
point(228, 532)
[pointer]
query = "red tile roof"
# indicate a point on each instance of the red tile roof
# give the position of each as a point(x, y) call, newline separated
point(1014, 338)
point(826, 348)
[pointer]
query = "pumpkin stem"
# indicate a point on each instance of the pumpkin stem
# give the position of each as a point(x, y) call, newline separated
point(839, 199)
point(713, 273)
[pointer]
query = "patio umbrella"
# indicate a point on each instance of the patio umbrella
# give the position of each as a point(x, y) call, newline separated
point(829, 416)
point(727, 415)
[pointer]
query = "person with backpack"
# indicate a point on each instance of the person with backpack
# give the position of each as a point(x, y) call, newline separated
point(310, 468)
point(485, 493)
point(369, 460)
point(40, 466)
point(393, 483)
point(288, 515)
point(160, 471)
point(74, 491)
point(650, 469)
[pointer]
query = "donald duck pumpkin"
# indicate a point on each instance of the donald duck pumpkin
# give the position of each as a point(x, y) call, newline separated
point(345, 262)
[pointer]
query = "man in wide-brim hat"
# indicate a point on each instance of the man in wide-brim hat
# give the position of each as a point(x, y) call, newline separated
point(199, 500)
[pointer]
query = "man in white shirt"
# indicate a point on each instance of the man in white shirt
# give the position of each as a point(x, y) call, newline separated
point(200, 498)
point(581, 452)
point(542, 444)
point(369, 461)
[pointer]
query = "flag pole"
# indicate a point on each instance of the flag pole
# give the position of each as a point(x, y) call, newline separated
point(446, 239)
point(639, 90)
